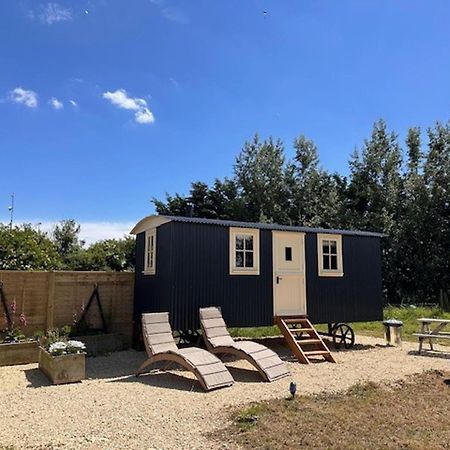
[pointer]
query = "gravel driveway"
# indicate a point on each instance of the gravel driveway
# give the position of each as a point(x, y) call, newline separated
point(112, 409)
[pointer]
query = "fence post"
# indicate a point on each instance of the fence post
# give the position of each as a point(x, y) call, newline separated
point(50, 298)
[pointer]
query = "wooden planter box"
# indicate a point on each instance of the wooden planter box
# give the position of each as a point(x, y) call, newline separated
point(62, 369)
point(101, 344)
point(19, 353)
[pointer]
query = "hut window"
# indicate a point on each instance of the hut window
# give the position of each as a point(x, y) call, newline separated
point(244, 251)
point(329, 255)
point(150, 252)
point(288, 253)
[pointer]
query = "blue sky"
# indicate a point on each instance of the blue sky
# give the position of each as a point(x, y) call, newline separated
point(105, 104)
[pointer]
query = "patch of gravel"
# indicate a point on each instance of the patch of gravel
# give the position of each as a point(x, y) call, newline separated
point(114, 410)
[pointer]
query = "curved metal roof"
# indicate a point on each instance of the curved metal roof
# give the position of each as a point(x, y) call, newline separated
point(157, 220)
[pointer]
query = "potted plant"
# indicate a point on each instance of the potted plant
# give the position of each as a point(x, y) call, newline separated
point(62, 360)
point(15, 347)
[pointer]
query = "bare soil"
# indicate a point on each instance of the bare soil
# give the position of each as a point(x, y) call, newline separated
point(114, 410)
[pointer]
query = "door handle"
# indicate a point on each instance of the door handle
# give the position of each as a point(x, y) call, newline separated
point(278, 279)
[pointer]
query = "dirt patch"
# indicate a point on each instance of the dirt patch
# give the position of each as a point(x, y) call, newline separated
point(411, 414)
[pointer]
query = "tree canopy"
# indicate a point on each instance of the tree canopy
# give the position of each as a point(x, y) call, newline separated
point(27, 248)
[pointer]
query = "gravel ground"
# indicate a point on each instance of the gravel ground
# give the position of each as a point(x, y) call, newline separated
point(112, 409)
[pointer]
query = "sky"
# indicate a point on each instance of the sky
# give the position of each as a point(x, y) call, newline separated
point(105, 104)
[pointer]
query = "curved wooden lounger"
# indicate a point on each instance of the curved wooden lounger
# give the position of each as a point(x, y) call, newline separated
point(219, 341)
point(160, 346)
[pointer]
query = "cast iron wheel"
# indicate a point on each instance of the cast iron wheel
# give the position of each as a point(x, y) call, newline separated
point(343, 335)
point(188, 338)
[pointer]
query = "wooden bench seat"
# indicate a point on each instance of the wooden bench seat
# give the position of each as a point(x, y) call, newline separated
point(429, 334)
point(432, 336)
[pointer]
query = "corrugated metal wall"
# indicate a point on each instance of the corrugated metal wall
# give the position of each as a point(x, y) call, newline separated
point(357, 296)
point(193, 271)
point(201, 278)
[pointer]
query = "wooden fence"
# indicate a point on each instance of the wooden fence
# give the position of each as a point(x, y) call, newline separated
point(55, 299)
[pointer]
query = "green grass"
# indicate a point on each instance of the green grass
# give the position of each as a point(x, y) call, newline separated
point(248, 417)
point(407, 314)
point(254, 333)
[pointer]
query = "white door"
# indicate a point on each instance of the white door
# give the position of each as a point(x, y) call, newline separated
point(289, 288)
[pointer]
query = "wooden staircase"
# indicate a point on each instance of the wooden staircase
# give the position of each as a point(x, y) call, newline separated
point(303, 339)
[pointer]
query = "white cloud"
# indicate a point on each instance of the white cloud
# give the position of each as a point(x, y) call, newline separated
point(53, 13)
point(30, 15)
point(144, 116)
point(175, 15)
point(73, 103)
point(55, 103)
point(25, 97)
point(174, 82)
point(121, 99)
point(90, 232)
point(170, 13)
point(96, 231)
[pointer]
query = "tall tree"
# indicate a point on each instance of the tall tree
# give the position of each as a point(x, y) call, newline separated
point(437, 181)
point(226, 201)
point(260, 176)
point(316, 195)
point(412, 227)
point(65, 235)
point(375, 194)
point(173, 206)
point(375, 187)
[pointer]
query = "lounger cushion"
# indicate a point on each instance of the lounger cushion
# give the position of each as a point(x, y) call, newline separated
point(216, 334)
point(266, 359)
point(211, 368)
point(157, 333)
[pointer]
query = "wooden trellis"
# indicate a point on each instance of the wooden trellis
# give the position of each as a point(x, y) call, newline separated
point(5, 306)
point(94, 296)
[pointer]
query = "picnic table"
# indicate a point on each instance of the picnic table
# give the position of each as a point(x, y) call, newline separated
point(432, 329)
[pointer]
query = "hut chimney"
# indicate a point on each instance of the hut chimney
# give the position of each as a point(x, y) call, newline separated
point(189, 210)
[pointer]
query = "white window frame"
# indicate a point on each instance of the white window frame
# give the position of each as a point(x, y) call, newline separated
point(254, 233)
point(339, 272)
point(150, 253)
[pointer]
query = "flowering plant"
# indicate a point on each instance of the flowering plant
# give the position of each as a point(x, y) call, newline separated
point(66, 348)
point(13, 331)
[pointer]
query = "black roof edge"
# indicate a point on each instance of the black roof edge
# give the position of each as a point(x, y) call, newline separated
point(271, 226)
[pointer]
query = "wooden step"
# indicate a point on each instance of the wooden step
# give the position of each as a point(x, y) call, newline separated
point(308, 341)
point(295, 342)
point(295, 320)
point(316, 352)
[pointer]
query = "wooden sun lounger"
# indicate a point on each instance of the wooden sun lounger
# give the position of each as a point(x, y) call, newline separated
point(219, 341)
point(160, 346)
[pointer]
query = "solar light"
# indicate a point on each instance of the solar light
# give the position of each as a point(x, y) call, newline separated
point(293, 388)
